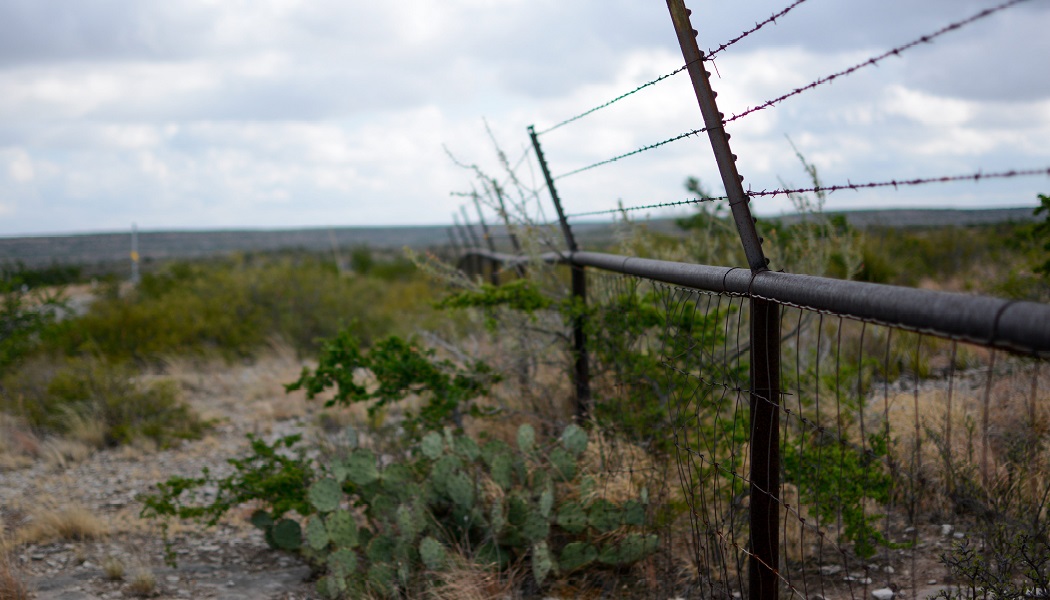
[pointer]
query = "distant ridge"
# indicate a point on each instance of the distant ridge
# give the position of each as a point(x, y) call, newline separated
point(102, 248)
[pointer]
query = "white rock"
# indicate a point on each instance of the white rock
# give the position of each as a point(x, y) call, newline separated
point(888, 569)
point(946, 529)
point(883, 594)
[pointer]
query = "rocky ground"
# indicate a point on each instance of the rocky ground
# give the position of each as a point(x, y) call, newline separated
point(98, 494)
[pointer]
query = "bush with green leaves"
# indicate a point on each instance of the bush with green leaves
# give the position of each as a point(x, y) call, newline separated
point(64, 395)
point(25, 315)
point(372, 526)
point(400, 368)
point(238, 306)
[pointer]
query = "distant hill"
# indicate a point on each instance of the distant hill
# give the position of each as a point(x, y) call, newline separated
point(109, 248)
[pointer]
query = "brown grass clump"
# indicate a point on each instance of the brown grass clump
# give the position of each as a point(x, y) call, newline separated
point(113, 568)
point(142, 583)
point(70, 523)
point(12, 586)
point(466, 581)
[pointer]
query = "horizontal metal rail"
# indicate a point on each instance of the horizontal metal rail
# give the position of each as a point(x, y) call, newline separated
point(995, 322)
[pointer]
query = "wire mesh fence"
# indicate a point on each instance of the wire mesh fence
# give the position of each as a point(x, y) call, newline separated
point(905, 459)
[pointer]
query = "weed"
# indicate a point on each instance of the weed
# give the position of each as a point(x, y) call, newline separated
point(142, 583)
point(12, 585)
point(113, 568)
point(72, 523)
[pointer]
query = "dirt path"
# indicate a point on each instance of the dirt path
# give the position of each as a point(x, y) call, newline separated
point(99, 493)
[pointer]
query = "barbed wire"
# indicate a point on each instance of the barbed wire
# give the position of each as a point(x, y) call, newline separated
point(633, 152)
point(617, 99)
point(623, 209)
point(976, 177)
point(875, 60)
point(710, 53)
point(772, 19)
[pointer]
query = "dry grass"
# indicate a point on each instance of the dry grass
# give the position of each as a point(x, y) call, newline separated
point(113, 568)
point(142, 583)
point(18, 445)
point(12, 585)
point(71, 523)
point(467, 581)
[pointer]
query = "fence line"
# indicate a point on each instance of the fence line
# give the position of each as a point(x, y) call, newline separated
point(876, 59)
point(798, 470)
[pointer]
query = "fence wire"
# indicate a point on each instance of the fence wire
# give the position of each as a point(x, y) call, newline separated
point(904, 457)
point(877, 59)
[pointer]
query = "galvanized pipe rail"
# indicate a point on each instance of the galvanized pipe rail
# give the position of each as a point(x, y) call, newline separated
point(1017, 326)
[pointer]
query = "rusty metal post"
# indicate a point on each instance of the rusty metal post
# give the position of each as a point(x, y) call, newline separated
point(764, 559)
point(493, 270)
point(579, 294)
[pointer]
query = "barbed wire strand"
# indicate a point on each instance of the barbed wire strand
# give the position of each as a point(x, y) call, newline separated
point(624, 209)
point(772, 19)
point(711, 53)
point(875, 60)
point(976, 177)
point(633, 152)
point(617, 99)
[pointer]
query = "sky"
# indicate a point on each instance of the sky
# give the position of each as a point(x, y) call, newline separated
point(208, 114)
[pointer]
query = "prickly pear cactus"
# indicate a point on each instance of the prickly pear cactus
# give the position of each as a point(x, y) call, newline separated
point(536, 526)
point(574, 439)
point(342, 563)
point(546, 501)
point(466, 448)
point(460, 489)
point(411, 519)
point(572, 518)
point(381, 578)
point(501, 469)
point(604, 516)
point(432, 445)
point(286, 535)
point(324, 495)
point(563, 464)
point(432, 553)
point(542, 561)
point(262, 520)
point(316, 533)
point(361, 467)
point(576, 555)
point(629, 550)
point(526, 438)
point(342, 529)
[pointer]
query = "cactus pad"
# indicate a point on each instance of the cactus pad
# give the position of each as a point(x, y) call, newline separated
point(501, 470)
point(361, 467)
point(604, 516)
point(381, 549)
point(324, 495)
point(432, 553)
point(411, 519)
point(342, 530)
point(536, 526)
point(467, 448)
point(563, 464)
point(342, 563)
point(633, 513)
point(542, 561)
point(287, 535)
point(262, 520)
point(381, 578)
point(574, 439)
point(461, 489)
point(316, 534)
point(432, 445)
point(572, 518)
point(546, 502)
point(526, 438)
point(576, 555)
point(629, 550)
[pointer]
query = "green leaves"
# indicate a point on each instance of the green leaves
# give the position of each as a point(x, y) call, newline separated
point(400, 368)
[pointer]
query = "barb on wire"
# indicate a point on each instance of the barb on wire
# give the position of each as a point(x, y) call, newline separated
point(623, 209)
point(633, 152)
point(905, 182)
point(875, 60)
point(772, 19)
point(616, 99)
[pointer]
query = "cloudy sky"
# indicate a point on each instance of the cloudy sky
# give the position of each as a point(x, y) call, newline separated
point(203, 114)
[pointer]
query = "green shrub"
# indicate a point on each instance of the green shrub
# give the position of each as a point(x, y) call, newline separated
point(235, 307)
point(105, 396)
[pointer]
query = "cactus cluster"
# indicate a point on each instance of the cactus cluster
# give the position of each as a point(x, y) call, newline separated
point(378, 530)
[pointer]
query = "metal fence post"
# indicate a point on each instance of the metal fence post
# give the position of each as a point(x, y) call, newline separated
point(764, 558)
point(579, 293)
